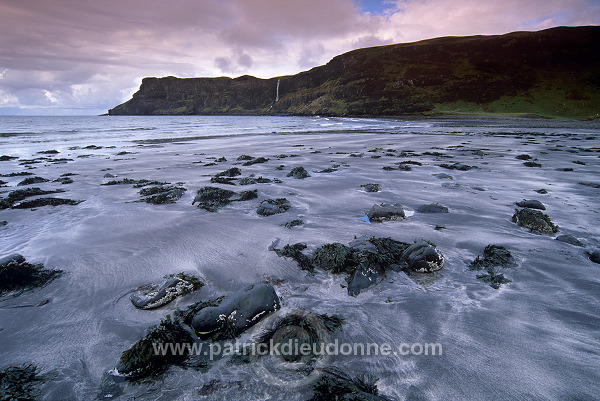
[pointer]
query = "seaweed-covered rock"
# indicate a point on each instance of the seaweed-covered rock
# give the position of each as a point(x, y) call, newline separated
point(493, 255)
point(32, 180)
point(39, 202)
point(569, 239)
point(293, 223)
point(336, 385)
point(18, 275)
point(298, 172)
point(371, 187)
point(256, 161)
point(142, 360)
point(432, 208)
point(536, 221)
point(386, 211)
point(532, 204)
point(594, 256)
point(270, 207)
point(247, 195)
point(20, 194)
point(523, 157)
point(335, 258)
point(244, 157)
point(236, 312)
point(532, 164)
point(213, 198)
point(156, 296)
point(457, 166)
point(288, 334)
point(230, 172)
point(166, 195)
point(19, 383)
point(422, 257)
point(254, 180)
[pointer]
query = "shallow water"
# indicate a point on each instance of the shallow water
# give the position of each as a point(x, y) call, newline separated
point(534, 339)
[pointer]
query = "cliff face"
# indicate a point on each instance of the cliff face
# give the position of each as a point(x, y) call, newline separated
point(555, 72)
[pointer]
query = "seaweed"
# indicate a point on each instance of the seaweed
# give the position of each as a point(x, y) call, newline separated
point(19, 383)
point(494, 279)
point(167, 195)
point(252, 180)
point(5, 158)
point(371, 187)
point(20, 194)
point(222, 180)
point(230, 172)
point(120, 182)
point(39, 202)
point(213, 198)
point(493, 255)
point(523, 157)
point(293, 223)
point(270, 207)
point(295, 252)
point(19, 275)
point(336, 385)
point(247, 195)
point(298, 173)
point(142, 360)
point(64, 180)
point(256, 161)
point(532, 164)
point(457, 166)
point(536, 221)
point(18, 174)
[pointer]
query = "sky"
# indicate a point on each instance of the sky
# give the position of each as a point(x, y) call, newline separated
point(82, 57)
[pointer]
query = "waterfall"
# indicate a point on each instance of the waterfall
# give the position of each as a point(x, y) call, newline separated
point(277, 96)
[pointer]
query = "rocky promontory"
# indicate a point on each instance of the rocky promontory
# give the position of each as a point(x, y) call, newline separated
point(554, 73)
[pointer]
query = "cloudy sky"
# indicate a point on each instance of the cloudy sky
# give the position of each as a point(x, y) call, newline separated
point(83, 56)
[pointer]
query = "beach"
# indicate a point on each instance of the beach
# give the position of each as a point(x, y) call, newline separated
point(535, 337)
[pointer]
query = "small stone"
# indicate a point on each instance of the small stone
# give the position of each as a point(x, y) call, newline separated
point(569, 239)
point(532, 204)
point(432, 208)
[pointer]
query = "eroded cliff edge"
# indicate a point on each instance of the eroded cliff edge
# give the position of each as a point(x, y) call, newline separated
point(555, 72)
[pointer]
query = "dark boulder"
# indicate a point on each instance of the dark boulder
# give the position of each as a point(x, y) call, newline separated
point(157, 296)
point(422, 257)
point(15, 257)
point(594, 256)
point(536, 221)
point(236, 312)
